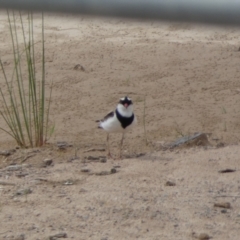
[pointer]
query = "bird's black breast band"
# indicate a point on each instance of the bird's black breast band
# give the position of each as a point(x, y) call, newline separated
point(125, 121)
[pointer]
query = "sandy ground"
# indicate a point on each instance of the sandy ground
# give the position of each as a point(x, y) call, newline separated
point(188, 78)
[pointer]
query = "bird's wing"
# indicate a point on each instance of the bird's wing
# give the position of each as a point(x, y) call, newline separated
point(110, 114)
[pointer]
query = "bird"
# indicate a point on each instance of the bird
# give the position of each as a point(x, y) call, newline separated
point(119, 121)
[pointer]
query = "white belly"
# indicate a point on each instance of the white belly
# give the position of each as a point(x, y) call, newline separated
point(113, 125)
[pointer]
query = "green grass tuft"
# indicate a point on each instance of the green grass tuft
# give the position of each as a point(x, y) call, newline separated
point(24, 106)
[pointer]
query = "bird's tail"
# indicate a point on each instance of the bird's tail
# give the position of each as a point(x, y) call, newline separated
point(99, 123)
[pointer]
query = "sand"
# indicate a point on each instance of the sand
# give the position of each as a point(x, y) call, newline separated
point(183, 79)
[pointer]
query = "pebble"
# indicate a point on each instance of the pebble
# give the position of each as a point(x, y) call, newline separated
point(14, 167)
point(169, 183)
point(203, 236)
point(85, 170)
point(113, 170)
point(47, 162)
point(23, 191)
point(58, 235)
point(223, 205)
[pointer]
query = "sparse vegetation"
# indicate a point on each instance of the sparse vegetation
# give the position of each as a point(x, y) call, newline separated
point(24, 107)
point(178, 130)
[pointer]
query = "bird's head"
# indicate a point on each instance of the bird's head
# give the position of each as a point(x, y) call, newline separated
point(125, 106)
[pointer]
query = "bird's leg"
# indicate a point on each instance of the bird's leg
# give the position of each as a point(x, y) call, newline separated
point(108, 147)
point(120, 150)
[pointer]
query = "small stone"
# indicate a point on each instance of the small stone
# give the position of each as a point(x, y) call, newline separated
point(113, 170)
point(63, 145)
point(85, 170)
point(227, 170)
point(223, 205)
point(197, 139)
point(169, 183)
point(23, 191)
point(59, 235)
point(79, 67)
point(203, 236)
point(48, 162)
point(68, 182)
point(13, 167)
